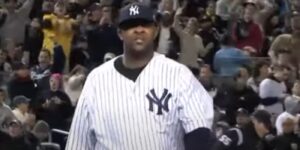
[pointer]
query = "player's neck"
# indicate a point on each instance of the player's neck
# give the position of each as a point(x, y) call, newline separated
point(133, 60)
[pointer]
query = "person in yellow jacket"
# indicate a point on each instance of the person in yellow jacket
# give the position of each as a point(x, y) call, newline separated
point(60, 30)
point(49, 35)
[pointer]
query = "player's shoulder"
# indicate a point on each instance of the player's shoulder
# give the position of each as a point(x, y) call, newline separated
point(165, 62)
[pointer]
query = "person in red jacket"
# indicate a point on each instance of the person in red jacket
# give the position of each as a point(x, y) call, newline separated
point(246, 33)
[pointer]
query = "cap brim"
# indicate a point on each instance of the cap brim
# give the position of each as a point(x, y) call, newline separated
point(134, 22)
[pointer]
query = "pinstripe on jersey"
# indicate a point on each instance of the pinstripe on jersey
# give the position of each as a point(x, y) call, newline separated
point(114, 112)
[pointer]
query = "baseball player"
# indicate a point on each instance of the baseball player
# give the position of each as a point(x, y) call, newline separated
point(141, 100)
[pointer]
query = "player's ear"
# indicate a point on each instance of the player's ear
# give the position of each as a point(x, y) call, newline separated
point(120, 34)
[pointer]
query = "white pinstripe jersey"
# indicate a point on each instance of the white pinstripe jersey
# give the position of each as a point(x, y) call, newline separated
point(152, 113)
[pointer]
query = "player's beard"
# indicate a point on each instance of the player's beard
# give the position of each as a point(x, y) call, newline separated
point(139, 51)
point(138, 46)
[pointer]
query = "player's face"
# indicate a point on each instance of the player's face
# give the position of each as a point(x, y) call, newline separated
point(138, 36)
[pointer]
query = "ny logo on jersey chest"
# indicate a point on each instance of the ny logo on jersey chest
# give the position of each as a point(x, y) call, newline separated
point(161, 103)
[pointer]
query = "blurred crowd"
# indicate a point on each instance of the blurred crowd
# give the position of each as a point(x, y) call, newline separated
point(246, 53)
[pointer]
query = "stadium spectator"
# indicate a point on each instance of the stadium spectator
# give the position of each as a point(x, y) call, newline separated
point(287, 139)
point(168, 39)
point(21, 109)
point(285, 123)
point(73, 83)
point(55, 104)
point(5, 111)
point(33, 40)
point(212, 36)
point(15, 20)
point(207, 79)
point(79, 54)
point(21, 83)
point(284, 59)
point(41, 72)
point(249, 137)
point(259, 73)
point(55, 107)
point(224, 9)
point(62, 27)
point(191, 43)
point(263, 125)
point(4, 64)
point(292, 102)
point(242, 117)
point(273, 91)
point(289, 42)
point(229, 59)
point(102, 36)
point(15, 52)
point(5, 140)
point(21, 139)
point(246, 33)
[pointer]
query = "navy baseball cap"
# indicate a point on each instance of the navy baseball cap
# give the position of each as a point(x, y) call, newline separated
point(20, 99)
point(135, 11)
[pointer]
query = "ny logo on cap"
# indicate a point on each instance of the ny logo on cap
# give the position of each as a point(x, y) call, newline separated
point(134, 10)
